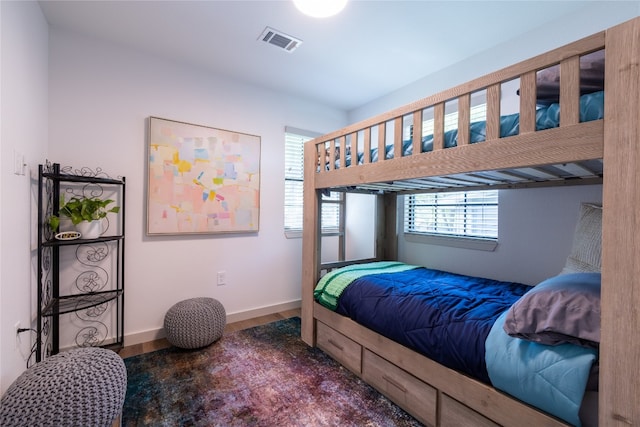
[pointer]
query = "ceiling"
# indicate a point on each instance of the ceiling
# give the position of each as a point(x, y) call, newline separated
point(370, 49)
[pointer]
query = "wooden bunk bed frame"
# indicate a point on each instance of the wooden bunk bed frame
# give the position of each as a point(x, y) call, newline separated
point(432, 393)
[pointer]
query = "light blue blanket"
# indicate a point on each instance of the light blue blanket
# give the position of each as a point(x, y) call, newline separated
point(552, 378)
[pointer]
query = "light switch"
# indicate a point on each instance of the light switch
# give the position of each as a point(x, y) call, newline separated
point(19, 165)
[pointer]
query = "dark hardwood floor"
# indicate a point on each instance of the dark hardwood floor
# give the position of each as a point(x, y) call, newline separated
point(147, 347)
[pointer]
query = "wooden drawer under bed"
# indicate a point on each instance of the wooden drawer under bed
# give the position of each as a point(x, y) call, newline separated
point(343, 349)
point(408, 392)
point(455, 414)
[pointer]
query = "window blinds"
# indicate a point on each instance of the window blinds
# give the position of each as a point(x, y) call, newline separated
point(293, 189)
point(461, 214)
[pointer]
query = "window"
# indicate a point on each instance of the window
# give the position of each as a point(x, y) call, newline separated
point(293, 179)
point(471, 214)
point(332, 206)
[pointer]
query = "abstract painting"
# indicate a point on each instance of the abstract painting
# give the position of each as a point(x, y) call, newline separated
point(201, 179)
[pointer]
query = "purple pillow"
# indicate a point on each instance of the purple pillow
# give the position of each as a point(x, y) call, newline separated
point(562, 309)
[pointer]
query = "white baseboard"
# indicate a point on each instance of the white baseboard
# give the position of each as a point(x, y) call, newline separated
point(156, 334)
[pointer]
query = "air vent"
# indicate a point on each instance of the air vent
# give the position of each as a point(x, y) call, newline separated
point(280, 39)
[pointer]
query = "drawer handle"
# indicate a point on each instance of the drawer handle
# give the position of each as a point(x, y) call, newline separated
point(335, 344)
point(394, 383)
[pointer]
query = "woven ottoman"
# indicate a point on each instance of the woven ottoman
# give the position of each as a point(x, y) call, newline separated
point(195, 322)
point(81, 387)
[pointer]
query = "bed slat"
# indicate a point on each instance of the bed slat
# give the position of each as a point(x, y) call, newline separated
point(438, 126)
point(382, 138)
point(367, 146)
point(397, 138)
point(464, 117)
point(417, 131)
point(528, 102)
point(570, 91)
point(493, 112)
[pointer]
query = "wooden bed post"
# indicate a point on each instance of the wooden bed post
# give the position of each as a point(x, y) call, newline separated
point(310, 244)
point(619, 396)
point(386, 227)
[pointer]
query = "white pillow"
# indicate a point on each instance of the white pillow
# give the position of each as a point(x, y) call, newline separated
point(586, 252)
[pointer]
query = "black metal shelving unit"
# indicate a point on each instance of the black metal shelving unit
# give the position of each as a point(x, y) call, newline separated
point(91, 284)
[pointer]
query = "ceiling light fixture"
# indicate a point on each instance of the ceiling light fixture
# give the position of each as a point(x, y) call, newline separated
point(320, 8)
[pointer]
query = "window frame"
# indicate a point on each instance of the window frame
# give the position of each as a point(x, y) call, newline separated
point(485, 243)
point(336, 200)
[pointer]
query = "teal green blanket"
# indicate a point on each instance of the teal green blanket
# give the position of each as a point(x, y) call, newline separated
point(332, 284)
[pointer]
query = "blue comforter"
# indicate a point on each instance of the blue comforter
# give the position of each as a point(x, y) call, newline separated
point(444, 316)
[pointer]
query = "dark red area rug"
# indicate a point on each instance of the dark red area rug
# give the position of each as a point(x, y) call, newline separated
point(263, 376)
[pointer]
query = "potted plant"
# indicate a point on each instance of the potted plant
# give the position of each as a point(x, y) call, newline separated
point(84, 212)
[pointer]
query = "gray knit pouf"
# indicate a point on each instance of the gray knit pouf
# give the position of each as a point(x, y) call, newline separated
point(81, 387)
point(195, 322)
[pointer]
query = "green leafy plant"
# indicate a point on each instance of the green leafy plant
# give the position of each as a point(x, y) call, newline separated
point(80, 209)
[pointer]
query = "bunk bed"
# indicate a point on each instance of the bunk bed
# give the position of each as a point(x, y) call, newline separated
point(575, 150)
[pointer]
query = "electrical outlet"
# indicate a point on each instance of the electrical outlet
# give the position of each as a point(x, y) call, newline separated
point(16, 328)
point(222, 278)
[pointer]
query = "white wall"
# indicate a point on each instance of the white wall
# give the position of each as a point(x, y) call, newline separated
point(23, 128)
point(100, 98)
point(360, 236)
